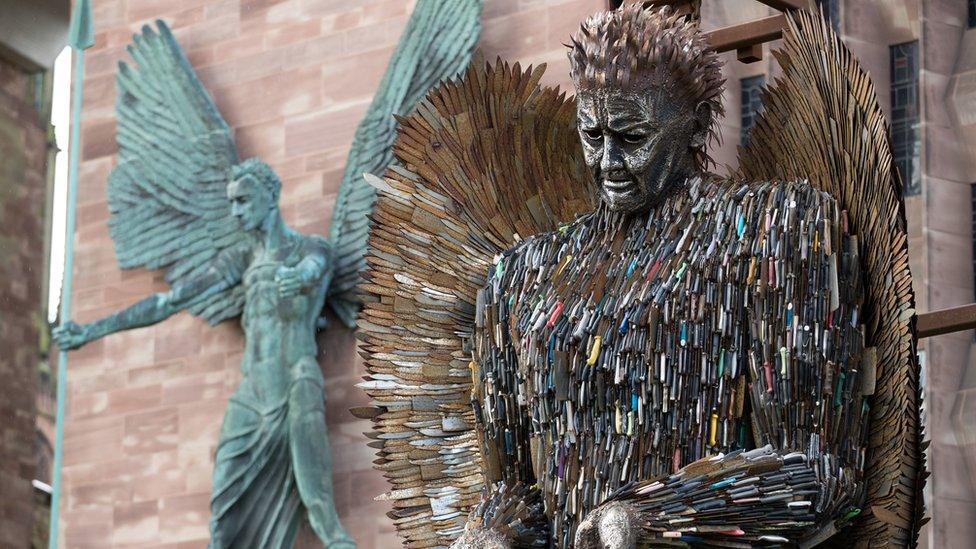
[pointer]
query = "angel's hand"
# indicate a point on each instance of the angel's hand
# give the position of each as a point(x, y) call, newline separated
point(612, 526)
point(481, 538)
point(70, 335)
point(291, 281)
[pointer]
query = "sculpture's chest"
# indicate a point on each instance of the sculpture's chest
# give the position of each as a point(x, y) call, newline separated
point(631, 341)
point(261, 280)
point(639, 330)
point(625, 350)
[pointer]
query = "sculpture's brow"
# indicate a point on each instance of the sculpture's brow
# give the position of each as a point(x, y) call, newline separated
point(625, 123)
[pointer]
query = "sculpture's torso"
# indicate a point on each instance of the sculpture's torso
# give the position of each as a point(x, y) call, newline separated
point(638, 341)
point(278, 330)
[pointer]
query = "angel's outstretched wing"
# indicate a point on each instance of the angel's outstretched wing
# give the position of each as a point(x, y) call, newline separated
point(167, 195)
point(436, 45)
point(484, 159)
point(822, 122)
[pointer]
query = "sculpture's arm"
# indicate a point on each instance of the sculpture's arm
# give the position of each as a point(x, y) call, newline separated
point(806, 391)
point(312, 271)
point(221, 275)
point(502, 422)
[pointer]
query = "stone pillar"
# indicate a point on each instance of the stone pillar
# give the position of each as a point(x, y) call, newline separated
point(23, 185)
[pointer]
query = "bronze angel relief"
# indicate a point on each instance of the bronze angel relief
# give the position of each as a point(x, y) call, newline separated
point(579, 337)
point(180, 199)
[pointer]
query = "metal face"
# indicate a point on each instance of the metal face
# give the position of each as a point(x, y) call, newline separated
point(639, 146)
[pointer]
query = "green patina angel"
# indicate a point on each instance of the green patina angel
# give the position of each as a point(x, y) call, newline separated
point(181, 200)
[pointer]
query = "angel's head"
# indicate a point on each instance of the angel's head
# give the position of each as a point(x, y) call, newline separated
point(253, 192)
point(648, 90)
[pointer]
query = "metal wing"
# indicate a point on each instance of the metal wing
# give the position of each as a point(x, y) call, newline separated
point(822, 122)
point(484, 159)
point(436, 45)
point(167, 195)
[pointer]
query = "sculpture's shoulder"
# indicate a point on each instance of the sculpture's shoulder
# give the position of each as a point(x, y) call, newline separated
point(794, 192)
point(535, 249)
point(313, 244)
point(233, 260)
point(753, 200)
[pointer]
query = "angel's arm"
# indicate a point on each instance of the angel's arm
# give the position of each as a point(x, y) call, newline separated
point(805, 375)
point(503, 431)
point(222, 273)
point(312, 271)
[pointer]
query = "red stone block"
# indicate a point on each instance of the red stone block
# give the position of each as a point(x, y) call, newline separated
point(266, 137)
point(184, 518)
point(374, 36)
point(512, 36)
point(272, 97)
point(323, 130)
point(173, 344)
point(382, 10)
point(314, 52)
point(135, 523)
point(354, 77)
point(99, 139)
point(152, 431)
point(342, 21)
point(296, 32)
point(134, 399)
point(199, 422)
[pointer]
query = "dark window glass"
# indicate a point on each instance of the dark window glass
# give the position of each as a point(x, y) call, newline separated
point(904, 115)
point(831, 10)
point(972, 13)
point(751, 104)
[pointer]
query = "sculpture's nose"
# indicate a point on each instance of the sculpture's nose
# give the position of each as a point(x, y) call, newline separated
point(612, 160)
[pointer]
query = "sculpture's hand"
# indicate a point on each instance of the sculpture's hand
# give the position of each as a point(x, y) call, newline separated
point(70, 335)
point(481, 538)
point(291, 281)
point(612, 526)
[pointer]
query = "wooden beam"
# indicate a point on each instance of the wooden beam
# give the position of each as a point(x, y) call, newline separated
point(744, 35)
point(678, 5)
point(946, 321)
point(781, 5)
point(741, 37)
point(750, 54)
point(784, 5)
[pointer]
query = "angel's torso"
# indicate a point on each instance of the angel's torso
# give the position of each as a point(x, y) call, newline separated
point(278, 330)
point(637, 341)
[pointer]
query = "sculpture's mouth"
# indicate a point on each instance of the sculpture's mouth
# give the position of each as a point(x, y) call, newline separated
point(619, 186)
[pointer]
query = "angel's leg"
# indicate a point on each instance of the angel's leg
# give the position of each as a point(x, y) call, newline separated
point(310, 453)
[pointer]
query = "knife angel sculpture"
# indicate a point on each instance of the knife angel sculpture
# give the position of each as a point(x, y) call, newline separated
point(579, 337)
point(181, 200)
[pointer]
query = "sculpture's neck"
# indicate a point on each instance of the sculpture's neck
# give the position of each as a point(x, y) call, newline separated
point(675, 192)
point(273, 231)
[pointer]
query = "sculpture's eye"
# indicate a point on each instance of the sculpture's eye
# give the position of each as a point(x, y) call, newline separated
point(594, 135)
point(634, 138)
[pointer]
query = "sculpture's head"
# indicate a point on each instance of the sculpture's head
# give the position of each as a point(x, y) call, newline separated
point(648, 90)
point(253, 193)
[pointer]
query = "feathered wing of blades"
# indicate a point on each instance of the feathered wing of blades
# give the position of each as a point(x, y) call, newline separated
point(436, 45)
point(167, 195)
point(822, 122)
point(484, 160)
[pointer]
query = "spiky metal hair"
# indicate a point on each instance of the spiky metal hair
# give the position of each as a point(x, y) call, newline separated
point(634, 48)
